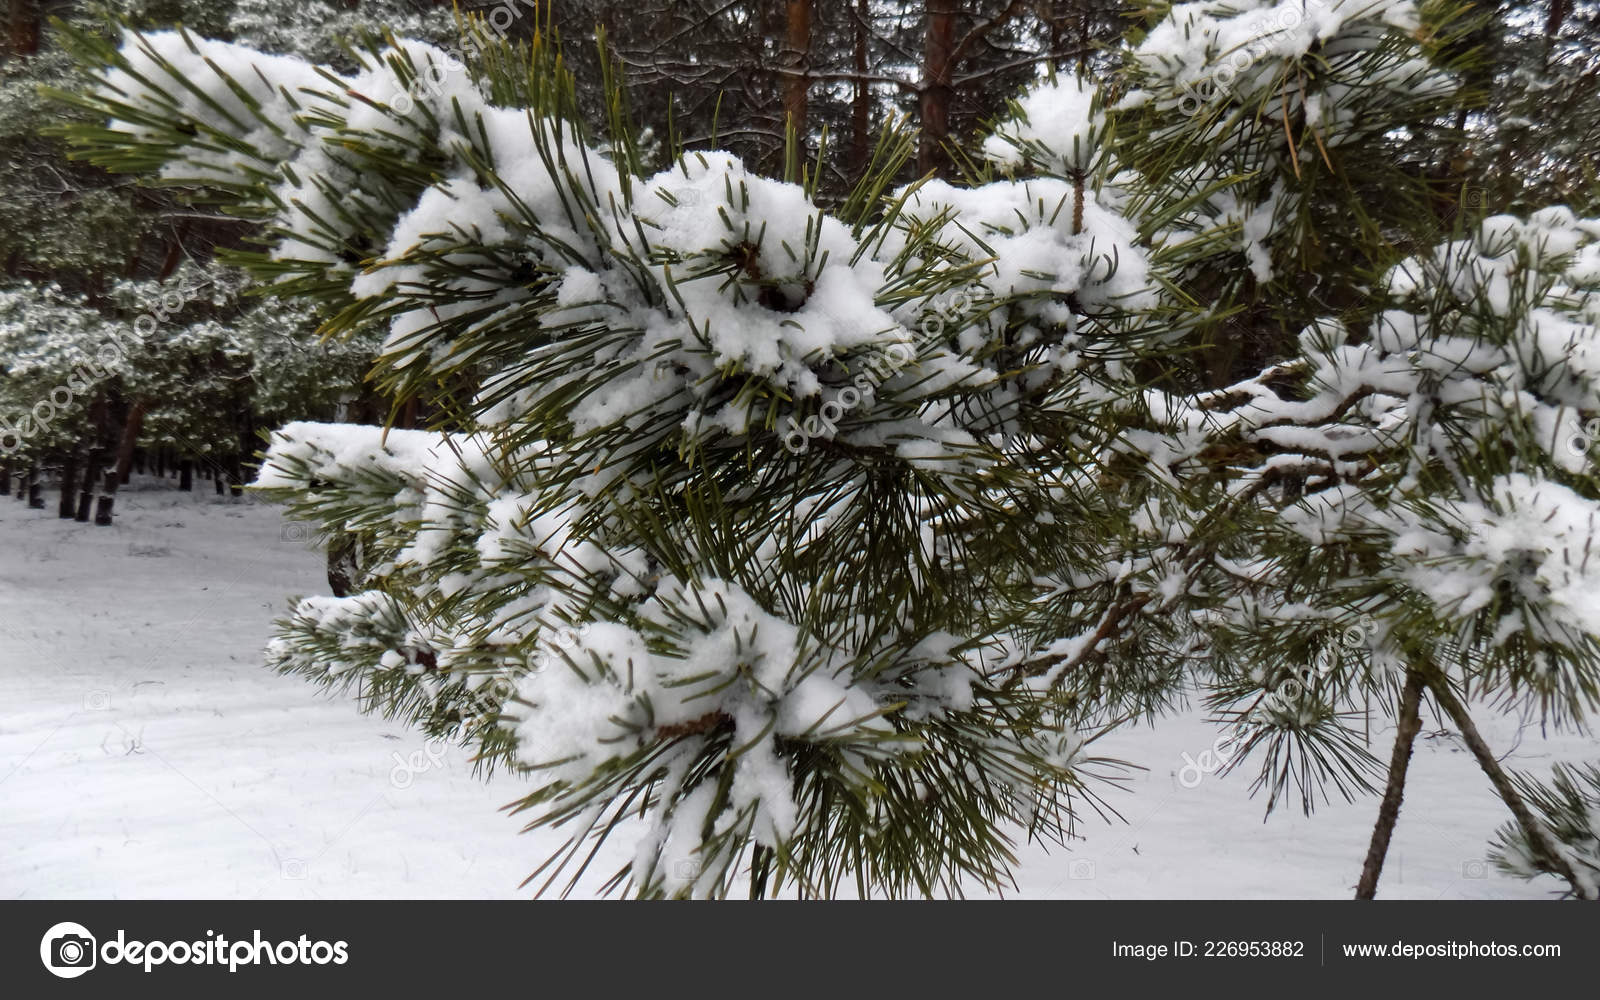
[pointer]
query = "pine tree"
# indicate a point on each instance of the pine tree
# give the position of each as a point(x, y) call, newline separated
point(118, 329)
point(1427, 403)
point(812, 548)
point(688, 418)
point(1569, 806)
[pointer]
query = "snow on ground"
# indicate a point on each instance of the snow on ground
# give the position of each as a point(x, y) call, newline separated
point(146, 753)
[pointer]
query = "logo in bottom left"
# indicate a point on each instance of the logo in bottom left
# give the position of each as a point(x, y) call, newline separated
point(68, 950)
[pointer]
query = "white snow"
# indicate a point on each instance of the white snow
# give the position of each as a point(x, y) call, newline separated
point(1058, 129)
point(146, 753)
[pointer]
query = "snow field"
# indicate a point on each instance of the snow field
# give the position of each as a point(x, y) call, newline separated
point(146, 753)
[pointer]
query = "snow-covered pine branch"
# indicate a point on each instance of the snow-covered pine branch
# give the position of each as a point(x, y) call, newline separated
point(856, 520)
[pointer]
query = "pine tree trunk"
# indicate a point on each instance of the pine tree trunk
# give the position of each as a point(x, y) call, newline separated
point(861, 100)
point(108, 499)
point(796, 59)
point(1408, 723)
point(1058, 31)
point(1544, 845)
point(344, 566)
point(186, 476)
point(94, 467)
point(23, 29)
point(69, 482)
point(937, 86)
point(36, 488)
point(91, 469)
point(130, 438)
point(1559, 9)
point(248, 441)
point(5, 480)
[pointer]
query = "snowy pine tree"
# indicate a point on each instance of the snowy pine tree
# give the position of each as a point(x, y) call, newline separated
point(811, 545)
point(118, 327)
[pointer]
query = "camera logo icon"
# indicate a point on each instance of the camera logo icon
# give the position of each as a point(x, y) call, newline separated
point(689, 869)
point(68, 950)
point(1474, 869)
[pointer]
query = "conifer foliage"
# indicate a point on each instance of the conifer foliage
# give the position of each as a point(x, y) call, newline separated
point(809, 546)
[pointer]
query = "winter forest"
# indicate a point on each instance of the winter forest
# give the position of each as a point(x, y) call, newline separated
point(803, 449)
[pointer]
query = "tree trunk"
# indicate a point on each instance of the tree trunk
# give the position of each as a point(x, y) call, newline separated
point(1559, 9)
point(103, 510)
point(186, 476)
point(91, 469)
point(36, 488)
point(761, 859)
point(174, 253)
point(69, 481)
point(1084, 48)
point(861, 100)
point(130, 437)
point(797, 59)
point(1545, 847)
point(5, 479)
point(23, 30)
point(344, 565)
point(937, 75)
point(1059, 13)
point(247, 453)
point(1408, 723)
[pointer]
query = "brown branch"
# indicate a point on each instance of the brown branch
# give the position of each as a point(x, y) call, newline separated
point(1014, 64)
point(1405, 737)
point(703, 724)
point(1108, 626)
point(1213, 399)
point(848, 76)
point(1543, 845)
point(978, 32)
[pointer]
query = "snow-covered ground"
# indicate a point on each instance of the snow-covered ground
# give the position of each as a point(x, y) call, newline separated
point(145, 752)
